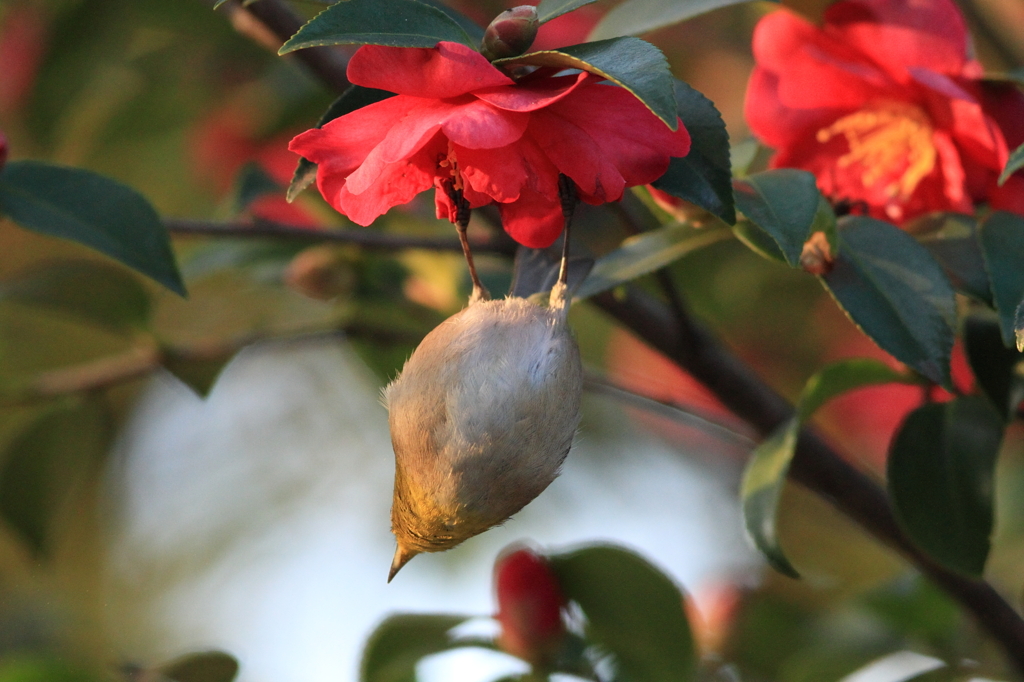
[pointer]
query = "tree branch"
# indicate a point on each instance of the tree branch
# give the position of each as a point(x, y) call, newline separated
point(499, 243)
point(816, 465)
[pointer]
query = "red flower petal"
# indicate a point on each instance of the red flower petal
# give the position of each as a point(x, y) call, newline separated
point(929, 34)
point(534, 220)
point(341, 145)
point(449, 70)
point(530, 96)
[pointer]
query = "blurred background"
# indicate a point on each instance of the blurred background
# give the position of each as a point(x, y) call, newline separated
point(239, 498)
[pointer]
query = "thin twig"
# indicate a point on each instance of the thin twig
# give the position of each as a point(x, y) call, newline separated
point(374, 239)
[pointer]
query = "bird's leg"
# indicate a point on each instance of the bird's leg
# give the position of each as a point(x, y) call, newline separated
point(462, 213)
point(567, 194)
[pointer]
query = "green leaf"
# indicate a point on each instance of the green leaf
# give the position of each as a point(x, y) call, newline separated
point(993, 363)
point(758, 241)
point(95, 292)
point(952, 240)
point(633, 610)
point(704, 176)
point(549, 9)
point(204, 666)
point(634, 17)
point(647, 252)
point(93, 210)
point(1018, 327)
point(892, 288)
point(25, 667)
point(401, 641)
point(1013, 164)
point(765, 475)
point(784, 203)
point(634, 64)
point(42, 465)
point(253, 183)
point(940, 474)
point(1001, 236)
point(396, 23)
point(355, 97)
point(472, 29)
point(198, 374)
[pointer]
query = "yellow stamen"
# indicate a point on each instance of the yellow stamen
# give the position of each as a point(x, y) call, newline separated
point(451, 162)
point(892, 144)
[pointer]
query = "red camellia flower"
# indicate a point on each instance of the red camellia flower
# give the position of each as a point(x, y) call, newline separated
point(529, 606)
point(884, 106)
point(459, 122)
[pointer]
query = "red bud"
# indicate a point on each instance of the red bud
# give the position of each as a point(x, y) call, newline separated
point(530, 605)
point(511, 33)
point(3, 150)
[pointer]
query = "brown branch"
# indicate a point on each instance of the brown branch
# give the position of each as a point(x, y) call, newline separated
point(500, 243)
point(816, 465)
point(328, 64)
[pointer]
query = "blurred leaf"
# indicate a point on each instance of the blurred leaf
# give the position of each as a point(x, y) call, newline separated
point(93, 210)
point(765, 474)
point(29, 668)
point(952, 240)
point(758, 241)
point(1013, 164)
point(549, 9)
point(897, 294)
point(783, 203)
point(1001, 236)
point(397, 645)
point(634, 17)
point(396, 23)
point(940, 473)
point(355, 97)
point(913, 606)
point(644, 253)
point(704, 176)
point(634, 611)
point(634, 64)
point(252, 183)
point(1018, 327)
point(41, 465)
point(204, 666)
point(993, 363)
point(472, 29)
point(95, 292)
point(198, 374)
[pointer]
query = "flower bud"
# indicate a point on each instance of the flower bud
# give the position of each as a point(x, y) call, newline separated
point(816, 257)
point(511, 33)
point(530, 605)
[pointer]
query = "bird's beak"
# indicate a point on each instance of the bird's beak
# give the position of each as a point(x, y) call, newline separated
point(402, 556)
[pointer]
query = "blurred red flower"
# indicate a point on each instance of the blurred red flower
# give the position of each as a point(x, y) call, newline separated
point(529, 606)
point(458, 119)
point(884, 106)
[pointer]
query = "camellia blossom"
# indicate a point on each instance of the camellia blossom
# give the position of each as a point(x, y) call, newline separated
point(883, 104)
point(459, 123)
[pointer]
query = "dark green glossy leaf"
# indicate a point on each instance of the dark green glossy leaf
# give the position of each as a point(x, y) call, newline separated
point(765, 475)
point(251, 184)
point(1001, 236)
point(634, 611)
point(204, 666)
point(355, 97)
point(401, 641)
point(784, 203)
point(704, 176)
point(95, 292)
point(634, 17)
point(758, 241)
point(632, 63)
point(472, 29)
point(93, 210)
point(992, 362)
point(893, 289)
point(1014, 164)
point(43, 464)
point(549, 9)
point(647, 252)
point(940, 474)
point(952, 240)
point(396, 23)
